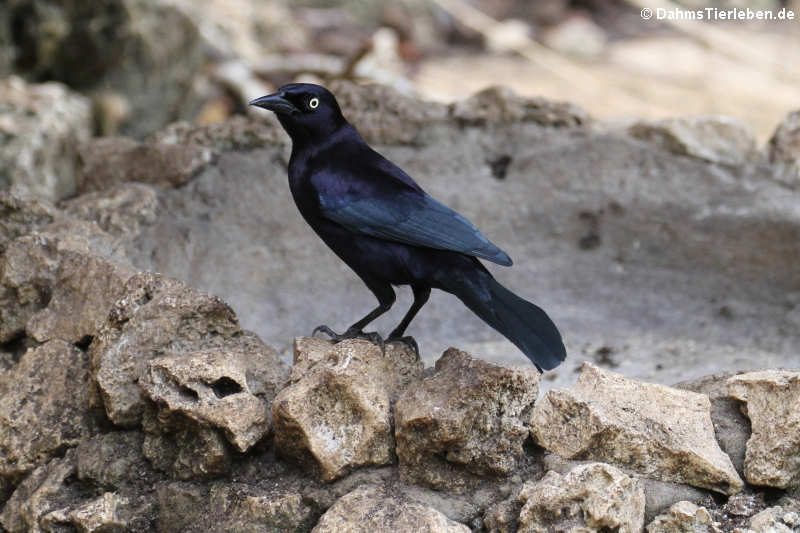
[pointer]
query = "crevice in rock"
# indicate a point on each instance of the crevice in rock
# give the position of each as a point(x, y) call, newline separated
point(189, 393)
point(499, 166)
point(84, 342)
point(17, 345)
point(225, 386)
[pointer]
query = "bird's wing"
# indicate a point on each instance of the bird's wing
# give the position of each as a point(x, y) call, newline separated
point(408, 215)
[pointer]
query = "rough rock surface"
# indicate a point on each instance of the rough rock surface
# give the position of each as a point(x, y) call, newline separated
point(21, 211)
point(465, 422)
point(731, 427)
point(659, 495)
point(370, 508)
point(683, 517)
point(120, 211)
point(58, 281)
point(229, 389)
point(654, 430)
point(591, 497)
point(784, 150)
point(772, 403)
point(783, 518)
point(154, 315)
point(712, 139)
point(42, 127)
point(43, 409)
point(110, 161)
point(335, 415)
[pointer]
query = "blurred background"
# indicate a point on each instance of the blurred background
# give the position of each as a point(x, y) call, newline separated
point(148, 63)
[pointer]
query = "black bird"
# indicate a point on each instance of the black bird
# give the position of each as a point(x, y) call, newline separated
point(390, 232)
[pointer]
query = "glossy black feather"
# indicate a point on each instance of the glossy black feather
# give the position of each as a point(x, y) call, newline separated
point(381, 223)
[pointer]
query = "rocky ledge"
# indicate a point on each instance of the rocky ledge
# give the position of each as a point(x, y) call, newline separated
point(136, 401)
point(133, 402)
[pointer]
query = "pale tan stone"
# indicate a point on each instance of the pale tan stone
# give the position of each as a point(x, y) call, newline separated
point(336, 413)
point(772, 403)
point(591, 497)
point(683, 517)
point(654, 430)
point(371, 509)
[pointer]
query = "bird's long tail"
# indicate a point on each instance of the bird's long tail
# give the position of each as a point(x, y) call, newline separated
point(523, 323)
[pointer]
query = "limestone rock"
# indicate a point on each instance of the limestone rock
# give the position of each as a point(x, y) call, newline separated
point(230, 389)
point(59, 281)
point(772, 402)
point(336, 416)
point(22, 211)
point(42, 127)
point(99, 515)
point(40, 493)
point(154, 315)
point(465, 422)
point(782, 518)
point(43, 408)
point(110, 161)
point(234, 507)
point(500, 104)
point(112, 459)
point(683, 517)
point(713, 139)
point(659, 495)
point(120, 211)
point(384, 116)
point(731, 427)
point(591, 497)
point(175, 444)
point(784, 150)
point(370, 508)
point(656, 431)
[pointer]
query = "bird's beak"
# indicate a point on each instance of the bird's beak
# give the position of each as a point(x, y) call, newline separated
point(277, 103)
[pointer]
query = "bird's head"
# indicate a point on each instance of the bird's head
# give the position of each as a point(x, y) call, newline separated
point(306, 111)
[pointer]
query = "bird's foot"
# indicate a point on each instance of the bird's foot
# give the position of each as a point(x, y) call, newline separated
point(372, 336)
point(408, 341)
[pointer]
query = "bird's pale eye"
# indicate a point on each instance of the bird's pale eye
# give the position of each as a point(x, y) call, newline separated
point(313, 103)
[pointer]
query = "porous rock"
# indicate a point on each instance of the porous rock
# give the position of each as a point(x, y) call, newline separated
point(154, 315)
point(42, 127)
point(714, 139)
point(653, 430)
point(372, 508)
point(465, 422)
point(112, 460)
point(772, 403)
point(175, 444)
point(22, 211)
point(335, 414)
point(501, 105)
point(121, 211)
point(659, 495)
point(234, 507)
point(59, 281)
point(591, 497)
point(43, 408)
point(731, 427)
point(784, 150)
point(110, 161)
point(781, 518)
point(683, 517)
point(40, 493)
point(230, 389)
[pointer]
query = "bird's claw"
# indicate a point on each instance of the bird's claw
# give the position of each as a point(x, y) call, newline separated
point(408, 341)
point(373, 336)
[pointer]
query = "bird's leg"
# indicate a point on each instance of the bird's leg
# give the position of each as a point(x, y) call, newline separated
point(386, 298)
point(421, 295)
